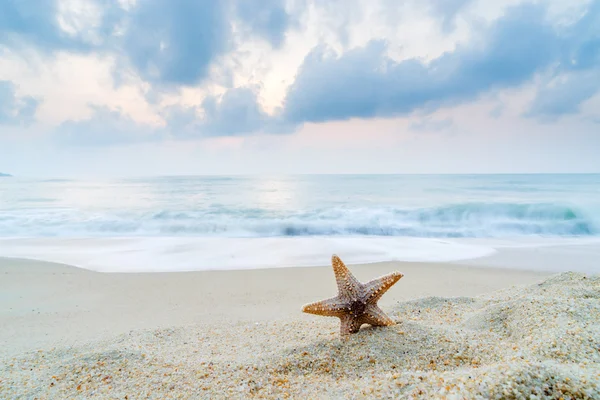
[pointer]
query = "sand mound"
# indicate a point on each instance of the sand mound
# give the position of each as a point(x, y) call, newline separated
point(539, 341)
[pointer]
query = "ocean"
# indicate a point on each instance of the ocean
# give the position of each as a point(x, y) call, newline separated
point(380, 215)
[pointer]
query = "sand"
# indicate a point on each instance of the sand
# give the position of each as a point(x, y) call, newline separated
point(462, 332)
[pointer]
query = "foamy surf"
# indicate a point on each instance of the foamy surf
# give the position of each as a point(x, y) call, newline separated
point(462, 220)
point(200, 254)
point(173, 254)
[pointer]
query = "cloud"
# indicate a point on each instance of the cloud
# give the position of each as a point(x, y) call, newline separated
point(497, 111)
point(31, 21)
point(175, 42)
point(236, 112)
point(564, 96)
point(583, 51)
point(432, 125)
point(265, 18)
point(365, 83)
point(105, 127)
point(15, 110)
point(447, 11)
point(166, 42)
point(576, 77)
point(47, 27)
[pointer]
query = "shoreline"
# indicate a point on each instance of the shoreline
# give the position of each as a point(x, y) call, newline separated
point(170, 254)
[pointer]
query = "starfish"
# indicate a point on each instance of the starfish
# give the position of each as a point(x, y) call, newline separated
point(356, 303)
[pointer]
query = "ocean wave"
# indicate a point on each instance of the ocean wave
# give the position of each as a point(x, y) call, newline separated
point(448, 221)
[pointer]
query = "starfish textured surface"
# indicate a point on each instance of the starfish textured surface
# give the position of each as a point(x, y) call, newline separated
point(356, 303)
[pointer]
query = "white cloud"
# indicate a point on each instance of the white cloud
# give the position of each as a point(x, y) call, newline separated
point(80, 18)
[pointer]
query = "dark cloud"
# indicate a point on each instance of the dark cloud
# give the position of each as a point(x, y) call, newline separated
point(167, 42)
point(175, 42)
point(236, 112)
point(15, 110)
point(365, 83)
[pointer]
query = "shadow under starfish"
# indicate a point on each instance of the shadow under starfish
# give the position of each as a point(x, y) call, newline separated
point(356, 302)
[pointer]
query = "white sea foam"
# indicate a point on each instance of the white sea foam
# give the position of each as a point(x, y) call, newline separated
point(193, 254)
point(173, 254)
point(491, 219)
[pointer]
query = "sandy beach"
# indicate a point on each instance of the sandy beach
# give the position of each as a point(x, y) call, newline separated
point(462, 331)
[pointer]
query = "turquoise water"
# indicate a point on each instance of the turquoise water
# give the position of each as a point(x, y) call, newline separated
point(444, 206)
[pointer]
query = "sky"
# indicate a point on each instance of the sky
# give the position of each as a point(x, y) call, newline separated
point(164, 87)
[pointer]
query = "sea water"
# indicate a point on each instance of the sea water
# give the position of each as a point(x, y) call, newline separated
point(212, 222)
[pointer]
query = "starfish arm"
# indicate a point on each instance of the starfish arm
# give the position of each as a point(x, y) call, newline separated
point(375, 316)
point(377, 287)
point(349, 325)
point(348, 285)
point(333, 307)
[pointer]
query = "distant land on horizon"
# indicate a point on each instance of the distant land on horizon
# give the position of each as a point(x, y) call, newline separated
point(5, 175)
